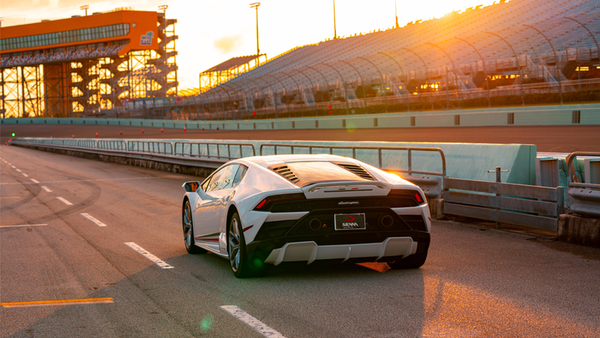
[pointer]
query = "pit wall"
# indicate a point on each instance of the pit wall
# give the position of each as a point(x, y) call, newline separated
point(585, 114)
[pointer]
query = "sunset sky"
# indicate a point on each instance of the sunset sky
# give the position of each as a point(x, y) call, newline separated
point(211, 32)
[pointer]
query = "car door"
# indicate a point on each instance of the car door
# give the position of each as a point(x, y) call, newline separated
point(214, 197)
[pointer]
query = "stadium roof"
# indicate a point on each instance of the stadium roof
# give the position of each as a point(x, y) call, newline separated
point(138, 27)
point(232, 63)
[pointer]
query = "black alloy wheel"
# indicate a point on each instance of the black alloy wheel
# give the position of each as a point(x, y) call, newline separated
point(241, 264)
point(188, 230)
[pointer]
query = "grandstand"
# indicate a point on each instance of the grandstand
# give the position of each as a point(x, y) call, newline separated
point(518, 52)
point(84, 66)
point(515, 51)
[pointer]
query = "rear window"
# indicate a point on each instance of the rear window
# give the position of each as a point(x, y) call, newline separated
point(305, 173)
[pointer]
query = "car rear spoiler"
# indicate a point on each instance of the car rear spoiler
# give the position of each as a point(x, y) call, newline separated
point(346, 189)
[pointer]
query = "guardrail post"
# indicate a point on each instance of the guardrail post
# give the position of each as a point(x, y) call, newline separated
point(409, 161)
point(498, 172)
point(560, 201)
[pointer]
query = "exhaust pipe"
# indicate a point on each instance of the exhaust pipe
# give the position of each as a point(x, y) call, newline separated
point(386, 221)
point(315, 224)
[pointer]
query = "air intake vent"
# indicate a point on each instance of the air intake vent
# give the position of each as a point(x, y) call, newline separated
point(287, 173)
point(357, 170)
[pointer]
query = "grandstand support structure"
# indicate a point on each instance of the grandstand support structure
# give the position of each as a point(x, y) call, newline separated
point(21, 90)
point(587, 29)
point(229, 70)
point(426, 72)
point(485, 73)
point(87, 66)
point(447, 82)
point(518, 65)
point(558, 73)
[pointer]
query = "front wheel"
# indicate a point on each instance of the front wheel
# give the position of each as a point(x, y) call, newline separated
point(411, 262)
point(241, 264)
point(188, 230)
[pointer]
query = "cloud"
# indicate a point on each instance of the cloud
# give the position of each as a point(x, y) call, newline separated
point(228, 44)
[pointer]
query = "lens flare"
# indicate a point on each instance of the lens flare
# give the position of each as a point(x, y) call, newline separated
point(206, 322)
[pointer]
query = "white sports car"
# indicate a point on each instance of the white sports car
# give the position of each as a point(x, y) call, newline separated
point(287, 208)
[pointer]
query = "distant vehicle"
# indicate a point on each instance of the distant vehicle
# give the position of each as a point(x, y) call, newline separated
point(258, 211)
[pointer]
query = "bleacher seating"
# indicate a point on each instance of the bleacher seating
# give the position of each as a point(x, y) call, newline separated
point(409, 47)
point(74, 55)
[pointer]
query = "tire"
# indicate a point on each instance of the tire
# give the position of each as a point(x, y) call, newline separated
point(188, 230)
point(241, 264)
point(411, 262)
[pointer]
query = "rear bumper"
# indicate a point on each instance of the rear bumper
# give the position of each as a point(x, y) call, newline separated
point(310, 251)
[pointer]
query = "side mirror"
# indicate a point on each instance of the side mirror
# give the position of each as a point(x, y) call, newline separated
point(191, 186)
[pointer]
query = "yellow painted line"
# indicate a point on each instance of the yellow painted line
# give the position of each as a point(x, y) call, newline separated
point(22, 225)
point(11, 197)
point(58, 302)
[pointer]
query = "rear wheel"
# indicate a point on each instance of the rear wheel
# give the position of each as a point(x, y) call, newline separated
point(411, 262)
point(188, 230)
point(241, 264)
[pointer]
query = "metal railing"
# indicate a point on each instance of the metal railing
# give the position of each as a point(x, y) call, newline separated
point(582, 198)
point(203, 149)
point(380, 153)
point(211, 152)
point(151, 147)
point(110, 144)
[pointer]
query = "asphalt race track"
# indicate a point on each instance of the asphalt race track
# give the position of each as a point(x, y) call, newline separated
point(95, 249)
point(562, 139)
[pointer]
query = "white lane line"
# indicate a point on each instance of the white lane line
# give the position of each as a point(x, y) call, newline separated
point(45, 188)
point(24, 174)
point(96, 180)
point(22, 225)
point(18, 170)
point(64, 201)
point(93, 219)
point(34, 180)
point(156, 260)
point(12, 166)
point(253, 322)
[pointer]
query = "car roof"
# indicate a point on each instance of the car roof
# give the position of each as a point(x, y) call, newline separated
point(269, 160)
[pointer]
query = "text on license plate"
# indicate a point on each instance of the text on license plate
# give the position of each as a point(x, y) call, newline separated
point(350, 222)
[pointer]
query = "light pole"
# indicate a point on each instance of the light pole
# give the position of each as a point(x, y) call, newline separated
point(396, 11)
point(256, 5)
point(334, 28)
point(85, 7)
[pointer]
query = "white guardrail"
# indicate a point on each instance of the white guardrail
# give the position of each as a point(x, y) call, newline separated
point(202, 154)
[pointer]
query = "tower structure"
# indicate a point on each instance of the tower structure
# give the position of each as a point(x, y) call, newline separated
point(83, 66)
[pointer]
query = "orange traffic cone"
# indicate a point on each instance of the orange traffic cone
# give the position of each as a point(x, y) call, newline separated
point(184, 128)
point(161, 130)
point(142, 131)
point(121, 132)
point(202, 127)
point(96, 134)
point(217, 127)
point(74, 135)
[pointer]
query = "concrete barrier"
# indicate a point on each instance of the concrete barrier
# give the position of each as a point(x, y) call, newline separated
point(579, 230)
point(583, 114)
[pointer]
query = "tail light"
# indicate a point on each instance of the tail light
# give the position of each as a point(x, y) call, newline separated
point(413, 195)
point(267, 203)
point(418, 198)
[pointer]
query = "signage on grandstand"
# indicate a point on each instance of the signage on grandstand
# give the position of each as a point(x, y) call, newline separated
point(146, 39)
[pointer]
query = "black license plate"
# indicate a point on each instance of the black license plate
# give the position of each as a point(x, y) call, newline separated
point(350, 222)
